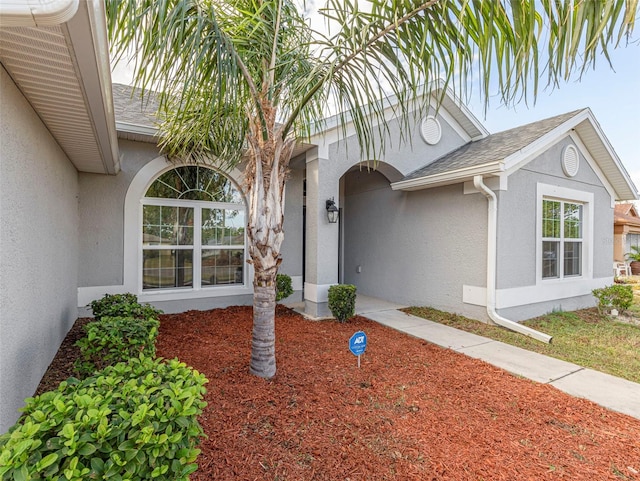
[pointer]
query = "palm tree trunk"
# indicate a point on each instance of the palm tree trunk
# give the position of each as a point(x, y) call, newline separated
point(265, 177)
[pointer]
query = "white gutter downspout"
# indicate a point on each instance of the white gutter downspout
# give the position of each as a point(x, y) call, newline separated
point(492, 249)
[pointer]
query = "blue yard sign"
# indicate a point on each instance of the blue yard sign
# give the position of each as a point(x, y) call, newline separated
point(358, 344)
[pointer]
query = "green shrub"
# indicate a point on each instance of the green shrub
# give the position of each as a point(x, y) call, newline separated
point(115, 339)
point(132, 421)
point(122, 305)
point(342, 301)
point(617, 296)
point(283, 287)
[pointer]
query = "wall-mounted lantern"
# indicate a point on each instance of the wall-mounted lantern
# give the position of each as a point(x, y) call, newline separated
point(332, 211)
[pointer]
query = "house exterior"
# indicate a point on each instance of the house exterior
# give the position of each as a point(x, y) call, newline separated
point(626, 230)
point(516, 223)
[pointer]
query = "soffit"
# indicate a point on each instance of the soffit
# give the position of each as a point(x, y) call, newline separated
point(66, 87)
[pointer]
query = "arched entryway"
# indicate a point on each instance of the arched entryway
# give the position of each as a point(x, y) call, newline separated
point(368, 208)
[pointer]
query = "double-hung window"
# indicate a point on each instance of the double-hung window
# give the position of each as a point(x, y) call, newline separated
point(562, 239)
point(193, 231)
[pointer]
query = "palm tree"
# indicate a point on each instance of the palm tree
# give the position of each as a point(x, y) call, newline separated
point(243, 80)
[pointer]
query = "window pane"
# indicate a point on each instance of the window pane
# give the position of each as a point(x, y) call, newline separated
point(572, 221)
point(223, 227)
point(573, 258)
point(194, 183)
point(550, 218)
point(222, 266)
point(167, 268)
point(164, 225)
point(550, 256)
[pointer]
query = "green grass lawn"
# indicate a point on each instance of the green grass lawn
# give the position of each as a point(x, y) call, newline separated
point(581, 337)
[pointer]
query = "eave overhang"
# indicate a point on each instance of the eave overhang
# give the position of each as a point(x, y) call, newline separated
point(63, 71)
point(491, 169)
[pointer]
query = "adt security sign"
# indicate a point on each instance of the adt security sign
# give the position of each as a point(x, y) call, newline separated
point(357, 344)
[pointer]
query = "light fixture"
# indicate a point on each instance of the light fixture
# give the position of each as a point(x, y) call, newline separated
point(332, 211)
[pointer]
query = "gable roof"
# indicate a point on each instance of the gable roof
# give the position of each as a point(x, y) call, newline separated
point(328, 130)
point(626, 214)
point(135, 116)
point(507, 151)
point(491, 149)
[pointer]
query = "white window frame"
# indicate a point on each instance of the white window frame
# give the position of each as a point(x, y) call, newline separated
point(133, 246)
point(196, 247)
point(564, 194)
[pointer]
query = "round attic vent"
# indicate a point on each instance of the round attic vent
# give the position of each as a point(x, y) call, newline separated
point(570, 161)
point(431, 131)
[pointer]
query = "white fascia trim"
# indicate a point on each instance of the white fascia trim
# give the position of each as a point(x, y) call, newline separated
point(316, 292)
point(614, 157)
point(36, 13)
point(523, 296)
point(137, 129)
point(329, 127)
point(466, 112)
point(450, 177)
point(87, 34)
point(453, 123)
point(522, 157)
point(594, 165)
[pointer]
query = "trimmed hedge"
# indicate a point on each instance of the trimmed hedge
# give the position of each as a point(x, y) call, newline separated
point(342, 301)
point(115, 339)
point(131, 421)
point(122, 305)
point(284, 287)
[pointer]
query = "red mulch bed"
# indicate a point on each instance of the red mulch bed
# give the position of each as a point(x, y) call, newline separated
point(413, 411)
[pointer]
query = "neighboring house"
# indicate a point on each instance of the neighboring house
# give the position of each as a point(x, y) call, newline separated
point(518, 221)
point(626, 230)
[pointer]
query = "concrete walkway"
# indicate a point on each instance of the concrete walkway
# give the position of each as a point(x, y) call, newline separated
point(608, 391)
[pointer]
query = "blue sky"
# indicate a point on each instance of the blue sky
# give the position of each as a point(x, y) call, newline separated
point(612, 95)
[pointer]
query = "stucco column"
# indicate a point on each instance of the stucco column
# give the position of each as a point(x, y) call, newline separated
point(321, 257)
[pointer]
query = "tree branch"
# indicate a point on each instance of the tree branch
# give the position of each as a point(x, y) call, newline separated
point(388, 29)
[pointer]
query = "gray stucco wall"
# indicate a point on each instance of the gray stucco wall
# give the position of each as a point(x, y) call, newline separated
point(102, 217)
point(38, 249)
point(517, 211)
point(291, 250)
point(416, 248)
point(405, 157)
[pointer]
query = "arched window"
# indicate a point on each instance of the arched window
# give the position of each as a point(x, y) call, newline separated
point(193, 231)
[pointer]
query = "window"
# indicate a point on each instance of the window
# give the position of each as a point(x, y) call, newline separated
point(193, 231)
point(562, 231)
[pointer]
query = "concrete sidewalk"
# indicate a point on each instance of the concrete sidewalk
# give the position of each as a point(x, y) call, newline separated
point(608, 391)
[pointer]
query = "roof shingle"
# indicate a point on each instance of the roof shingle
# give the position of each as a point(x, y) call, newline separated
point(493, 148)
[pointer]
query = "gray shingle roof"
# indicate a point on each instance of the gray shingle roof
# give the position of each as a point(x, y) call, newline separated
point(130, 108)
point(493, 148)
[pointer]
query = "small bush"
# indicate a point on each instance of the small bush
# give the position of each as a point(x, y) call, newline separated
point(132, 421)
point(342, 301)
point(115, 339)
point(617, 296)
point(122, 305)
point(283, 287)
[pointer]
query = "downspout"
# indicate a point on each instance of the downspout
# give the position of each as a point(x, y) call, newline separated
point(492, 249)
